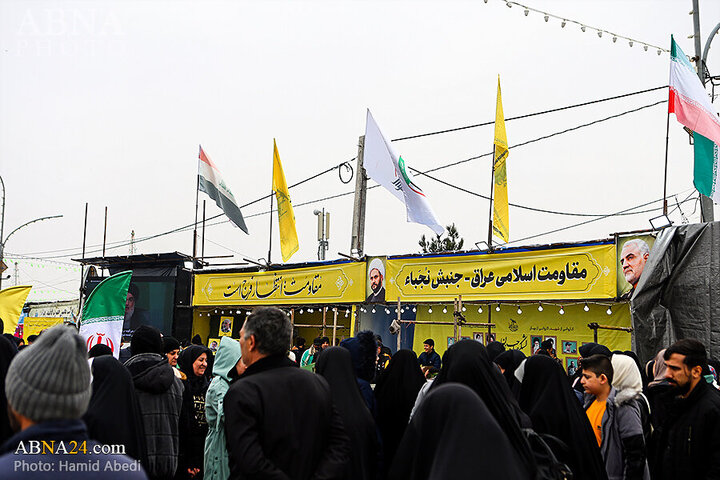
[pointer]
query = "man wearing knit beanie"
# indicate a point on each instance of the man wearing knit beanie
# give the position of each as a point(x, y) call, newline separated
point(48, 391)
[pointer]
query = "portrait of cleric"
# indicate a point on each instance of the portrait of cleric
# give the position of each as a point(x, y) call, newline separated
point(376, 278)
point(633, 256)
point(134, 315)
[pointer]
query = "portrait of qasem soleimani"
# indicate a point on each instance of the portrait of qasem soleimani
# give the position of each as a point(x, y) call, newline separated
point(376, 279)
point(633, 257)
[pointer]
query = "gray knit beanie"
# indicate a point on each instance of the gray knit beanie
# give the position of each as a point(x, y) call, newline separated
point(50, 379)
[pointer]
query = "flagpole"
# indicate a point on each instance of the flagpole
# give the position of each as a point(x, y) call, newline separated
point(492, 188)
point(197, 194)
point(667, 140)
point(272, 194)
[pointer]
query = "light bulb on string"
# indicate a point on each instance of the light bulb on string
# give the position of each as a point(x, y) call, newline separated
point(599, 33)
point(645, 47)
point(373, 310)
point(586, 308)
point(609, 311)
point(497, 309)
point(301, 311)
point(414, 309)
point(464, 309)
point(540, 307)
point(429, 309)
point(526, 12)
point(508, 4)
point(310, 310)
point(444, 309)
point(562, 310)
point(582, 27)
point(479, 309)
point(387, 312)
point(630, 43)
point(563, 23)
point(614, 39)
point(547, 17)
point(519, 310)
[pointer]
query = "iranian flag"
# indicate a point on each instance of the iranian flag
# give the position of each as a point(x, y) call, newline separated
point(101, 320)
point(691, 105)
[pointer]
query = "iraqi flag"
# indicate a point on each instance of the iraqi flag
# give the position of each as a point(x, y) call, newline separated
point(211, 182)
point(386, 167)
point(103, 314)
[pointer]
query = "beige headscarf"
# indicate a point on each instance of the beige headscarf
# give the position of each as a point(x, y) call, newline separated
point(659, 368)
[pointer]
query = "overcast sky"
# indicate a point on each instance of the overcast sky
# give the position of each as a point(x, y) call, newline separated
point(107, 102)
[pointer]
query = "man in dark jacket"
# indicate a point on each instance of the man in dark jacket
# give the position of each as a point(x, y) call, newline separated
point(688, 443)
point(48, 391)
point(271, 434)
point(159, 394)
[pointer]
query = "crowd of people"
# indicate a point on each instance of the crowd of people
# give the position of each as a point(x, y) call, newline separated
point(260, 409)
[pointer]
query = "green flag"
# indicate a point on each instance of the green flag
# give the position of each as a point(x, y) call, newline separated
point(103, 314)
point(705, 172)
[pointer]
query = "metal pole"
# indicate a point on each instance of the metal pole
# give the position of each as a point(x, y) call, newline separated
point(324, 324)
point(82, 266)
point(197, 196)
point(272, 194)
point(202, 245)
point(2, 227)
point(706, 204)
point(492, 189)
point(335, 314)
point(357, 240)
point(399, 335)
point(667, 140)
point(105, 232)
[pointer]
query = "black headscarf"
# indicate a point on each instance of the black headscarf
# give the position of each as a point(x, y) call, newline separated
point(467, 362)
point(396, 392)
point(494, 349)
point(467, 443)
point(335, 365)
point(591, 348)
point(510, 360)
point(113, 416)
point(192, 424)
point(8, 350)
point(554, 410)
point(186, 359)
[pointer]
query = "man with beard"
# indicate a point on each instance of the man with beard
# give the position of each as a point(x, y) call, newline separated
point(688, 443)
point(633, 257)
point(376, 275)
point(134, 316)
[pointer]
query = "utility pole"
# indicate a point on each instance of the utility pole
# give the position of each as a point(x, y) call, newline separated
point(132, 242)
point(323, 231)
point(706, 204)
point(357, 241)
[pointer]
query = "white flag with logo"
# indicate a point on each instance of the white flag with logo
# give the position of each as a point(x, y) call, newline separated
point(386, 167)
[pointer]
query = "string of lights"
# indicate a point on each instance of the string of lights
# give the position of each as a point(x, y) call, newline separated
point(564, 21)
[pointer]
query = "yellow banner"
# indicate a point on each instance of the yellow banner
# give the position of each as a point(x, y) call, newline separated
point(582, 272)
point(12, 300)
point(339, 283)
point(527, 330)
point(286, 217)
point(35, 325)
point(501, 221)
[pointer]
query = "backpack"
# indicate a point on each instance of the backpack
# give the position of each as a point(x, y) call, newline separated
point(548, 466)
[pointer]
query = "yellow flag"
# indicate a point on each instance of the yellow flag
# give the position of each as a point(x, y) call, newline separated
point(501, 221)
point(286, 216)
point(12, 300)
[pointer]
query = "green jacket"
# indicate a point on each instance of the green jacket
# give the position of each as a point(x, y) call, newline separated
point(216, 455)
